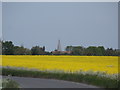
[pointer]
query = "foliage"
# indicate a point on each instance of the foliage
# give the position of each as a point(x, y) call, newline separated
point(21, 51)
point(36, 50)
point(92, 51)
point(8, 83)
point(8, 48)
point(0, 47)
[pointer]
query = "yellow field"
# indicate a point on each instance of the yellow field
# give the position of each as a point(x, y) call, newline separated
point(108, 64)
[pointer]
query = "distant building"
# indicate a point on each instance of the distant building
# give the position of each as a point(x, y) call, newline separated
point(59, 51)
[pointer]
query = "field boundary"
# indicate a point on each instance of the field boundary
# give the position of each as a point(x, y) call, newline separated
point(92, 79)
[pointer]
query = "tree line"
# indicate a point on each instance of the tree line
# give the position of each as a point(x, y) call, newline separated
point(8, 48)
point(93, 51)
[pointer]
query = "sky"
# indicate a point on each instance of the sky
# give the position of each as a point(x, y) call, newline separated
point(76, 23)
point(0, 19)
point(60, 0)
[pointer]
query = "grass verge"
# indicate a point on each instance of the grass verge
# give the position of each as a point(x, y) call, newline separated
point(93, 79)
point(8, 84)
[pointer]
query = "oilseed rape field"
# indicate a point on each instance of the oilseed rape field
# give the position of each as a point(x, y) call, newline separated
point(107, 64)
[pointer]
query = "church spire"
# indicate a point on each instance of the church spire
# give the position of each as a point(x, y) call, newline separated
point(59, 46)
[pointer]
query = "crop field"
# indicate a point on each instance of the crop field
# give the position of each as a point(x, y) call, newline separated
point(107, 64)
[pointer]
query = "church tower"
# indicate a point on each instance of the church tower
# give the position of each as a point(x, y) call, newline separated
point(59, 46)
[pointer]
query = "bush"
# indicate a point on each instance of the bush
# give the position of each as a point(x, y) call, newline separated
point(7, 84)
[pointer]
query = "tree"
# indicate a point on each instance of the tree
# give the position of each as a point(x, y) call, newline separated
point(96, 51)
point(43, 48)
point(21, 51)
point(7, 48)
point(101, 50)
point(91, 50)
point(36, 50)
point(112, 52)
point(0, 47)
point(109, 52)
point(69, 48)
point(76, 50)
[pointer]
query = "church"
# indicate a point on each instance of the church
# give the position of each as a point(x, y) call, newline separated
point(59, 51)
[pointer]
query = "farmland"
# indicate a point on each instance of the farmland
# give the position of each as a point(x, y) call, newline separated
point(100, 71)
point(107, 64)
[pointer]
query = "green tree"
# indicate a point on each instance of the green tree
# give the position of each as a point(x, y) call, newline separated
point(21, 51)
point(76, 50)
point(0, 47)
point(43, 48)
point(96, 51)
point(91, 50)
point(101, 50)
point(69, 48)
point(112, 52)
point(36, 50)
point(7, 48)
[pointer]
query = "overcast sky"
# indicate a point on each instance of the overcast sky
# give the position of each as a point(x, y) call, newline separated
point(85, 24)
point(0, 19)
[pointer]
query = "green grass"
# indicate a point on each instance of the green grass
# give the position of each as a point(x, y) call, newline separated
point(93, 79)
